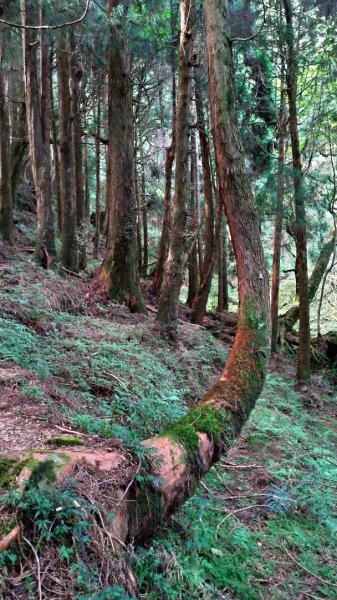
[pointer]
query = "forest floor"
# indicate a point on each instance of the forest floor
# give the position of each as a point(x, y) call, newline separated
point(262, 525)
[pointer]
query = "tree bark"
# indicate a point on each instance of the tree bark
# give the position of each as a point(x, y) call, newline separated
point(98, 175)
point(56, 155)
point(200, 301)
point(173, 277)
point(6, 198)
point(37, 112)
point(193, 227)
point(120, 265)
point(275, 289)
point(169, 161)
point(69, 253)
point(144, 223)
point(303, 367)
point(75, 72)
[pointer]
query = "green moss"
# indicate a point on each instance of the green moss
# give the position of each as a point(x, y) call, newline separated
point(9, 469)
point(203, 419)
point(65, 440)
point(42, 471)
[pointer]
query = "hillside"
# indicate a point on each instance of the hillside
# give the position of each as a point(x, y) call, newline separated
point(74, 364)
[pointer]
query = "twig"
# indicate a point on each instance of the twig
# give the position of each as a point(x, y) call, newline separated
point(38, 566)
point(72, 272)
point(232, 465)
point(73, 432)
point(236, 511)
point(67, 24)
point(307, 570)
point(109, 374)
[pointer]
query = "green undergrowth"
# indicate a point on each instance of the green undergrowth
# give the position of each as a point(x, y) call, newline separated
point(119, 379)
point(264, 543)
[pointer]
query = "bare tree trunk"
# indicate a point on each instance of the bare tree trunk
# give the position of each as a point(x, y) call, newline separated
point(19, 150)
point(6, 198)
point(56, 155)
point(121, 262)
point(75, 71)
point(200, 301)
point(98, 175)
point(193, 270)
point(144, 223)
point(169, 298)
point(303, 367)
point(169, 161)
point(37, 111)
point(69, 254)
point(278, 221)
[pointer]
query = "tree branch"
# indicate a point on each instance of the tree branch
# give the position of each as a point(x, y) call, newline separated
point(49, 27)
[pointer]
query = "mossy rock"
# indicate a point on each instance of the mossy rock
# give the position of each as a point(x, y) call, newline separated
point(64, 440)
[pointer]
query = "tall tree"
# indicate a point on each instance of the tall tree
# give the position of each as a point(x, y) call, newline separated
point(169, 161)
point(75, 73)
point(303, 368)
point(37, 112)
point(69, 253)
point(278, 218)
point(120, 265)
point(169, 298)
point(200, 300)
point(6, 201)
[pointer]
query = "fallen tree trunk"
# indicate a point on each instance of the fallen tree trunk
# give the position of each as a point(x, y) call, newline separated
point(185, 451)
point(290, 318)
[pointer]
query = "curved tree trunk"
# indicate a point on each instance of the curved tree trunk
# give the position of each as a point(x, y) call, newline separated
point(120, 265)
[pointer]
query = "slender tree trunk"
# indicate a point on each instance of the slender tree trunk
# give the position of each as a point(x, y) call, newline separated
point(37, 111)
point(173, 277)
point(278, 221)
point(6, 198)
point(98, 175)
point(75, 71)
point(56, 156)
point(200, 301)
point(69, 254)
point(303, 367)
point(225, 269)
point(166, 226)
point(169, 161)
point(121, 262)
point(290, 318)
point(193, 270)
point(144, 223)
point(19, 149)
